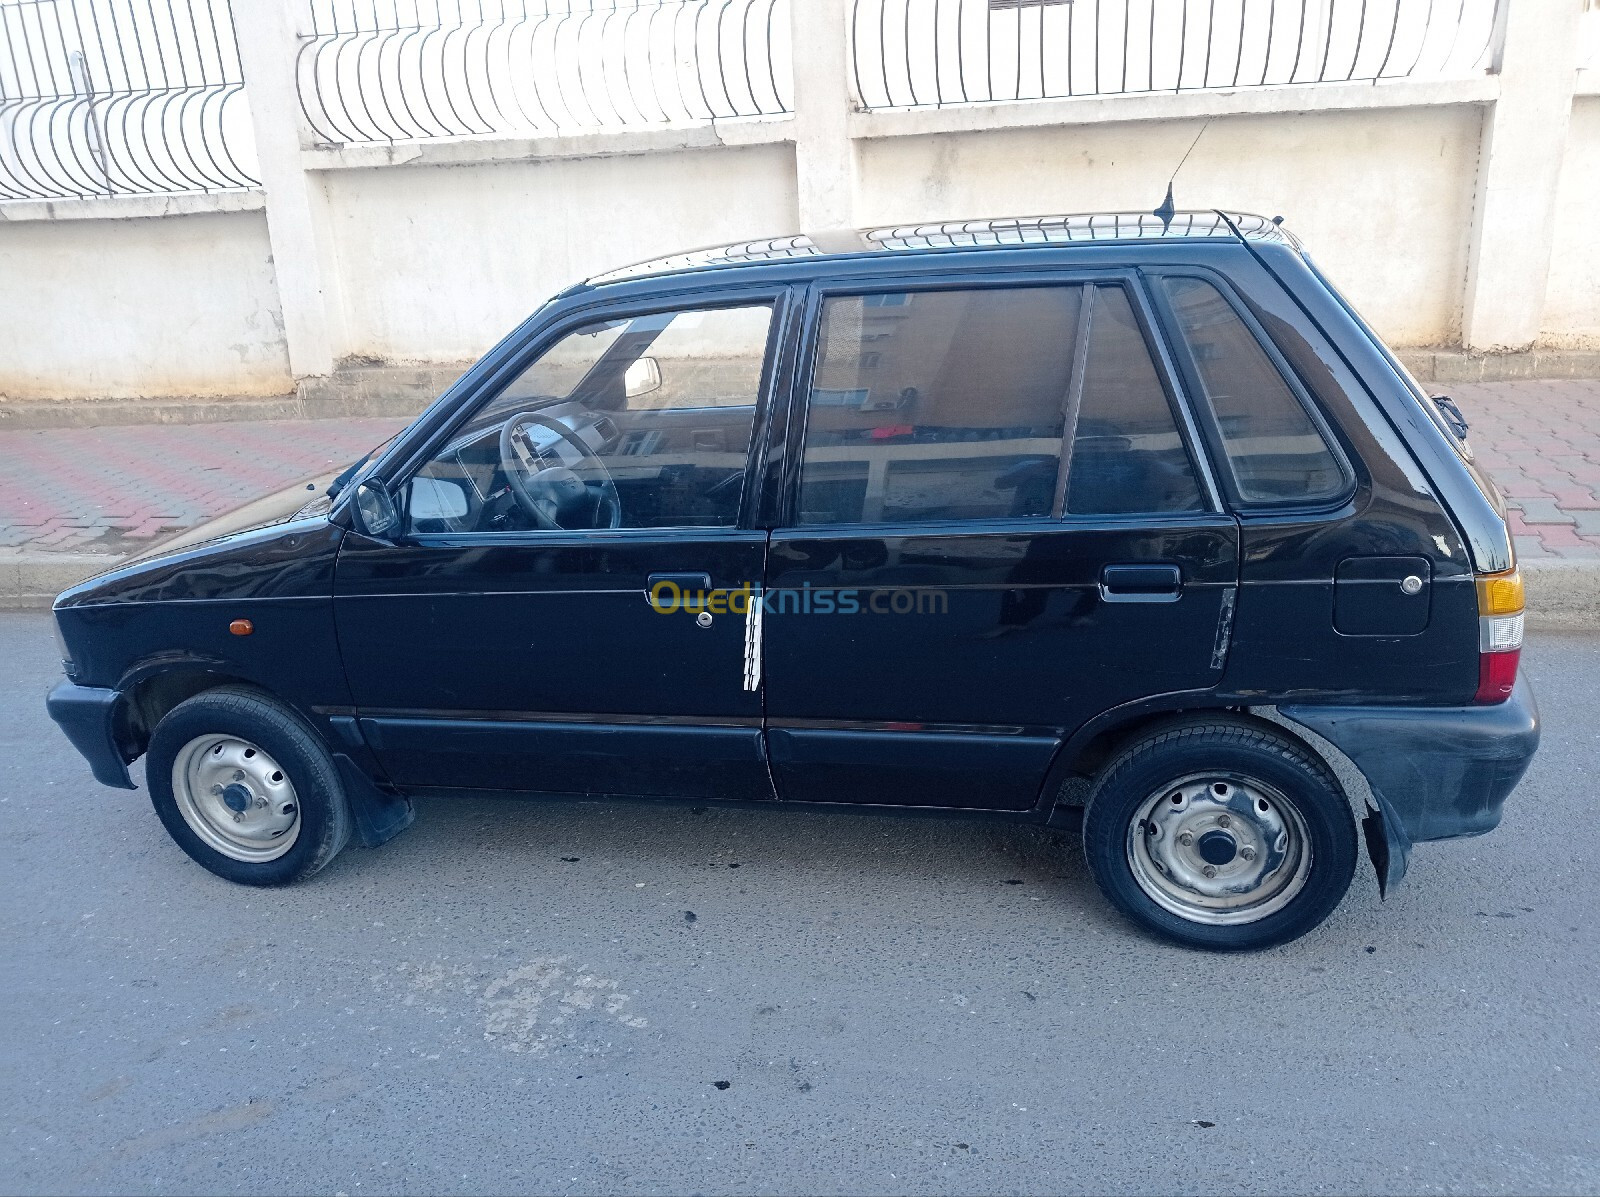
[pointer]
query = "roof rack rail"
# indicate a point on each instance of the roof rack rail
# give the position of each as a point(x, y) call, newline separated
point(960, 234)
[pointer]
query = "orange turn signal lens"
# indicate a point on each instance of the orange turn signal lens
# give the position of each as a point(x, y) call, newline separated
point(241, 627)
point(1500, 594)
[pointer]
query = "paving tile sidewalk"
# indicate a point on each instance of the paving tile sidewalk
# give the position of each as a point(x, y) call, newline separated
point(114, 490)
point(1541, 442)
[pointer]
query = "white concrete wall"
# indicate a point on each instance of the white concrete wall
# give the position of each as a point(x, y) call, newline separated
point(1418, 197)
point(437, 263)
point(1382, 198)
point(1572, 300)
point(181, 305)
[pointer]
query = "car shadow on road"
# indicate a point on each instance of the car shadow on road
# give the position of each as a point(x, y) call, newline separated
point(668, 838)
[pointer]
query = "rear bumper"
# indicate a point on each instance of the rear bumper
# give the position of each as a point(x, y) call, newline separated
point(87, 715)
point(1435, 772)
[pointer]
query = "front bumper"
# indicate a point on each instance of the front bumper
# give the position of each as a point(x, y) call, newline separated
point(1436, 772)
point(88, 715)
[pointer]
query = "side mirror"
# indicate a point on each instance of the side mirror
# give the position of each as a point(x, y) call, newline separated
point(642, 377)
point(375, 511)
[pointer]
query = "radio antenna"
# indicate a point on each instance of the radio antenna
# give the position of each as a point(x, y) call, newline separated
point(1168, 209)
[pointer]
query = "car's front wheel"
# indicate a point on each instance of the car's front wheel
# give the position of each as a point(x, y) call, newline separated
point(1220, 833)
point(246, 788)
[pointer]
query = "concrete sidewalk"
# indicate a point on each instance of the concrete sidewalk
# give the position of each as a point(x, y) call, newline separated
point(74, 501)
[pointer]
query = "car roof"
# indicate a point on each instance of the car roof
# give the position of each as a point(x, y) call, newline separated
point(1020, 232)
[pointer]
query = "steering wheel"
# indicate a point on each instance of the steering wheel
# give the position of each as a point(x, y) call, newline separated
point(557, 497)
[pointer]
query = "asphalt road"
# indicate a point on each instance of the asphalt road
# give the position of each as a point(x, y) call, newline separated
point(601, 998)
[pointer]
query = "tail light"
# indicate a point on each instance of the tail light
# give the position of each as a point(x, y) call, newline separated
point(1500, 603)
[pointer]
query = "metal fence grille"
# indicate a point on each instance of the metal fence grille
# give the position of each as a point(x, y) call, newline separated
point(109, 97)
point(926, 53)
point(394, 70)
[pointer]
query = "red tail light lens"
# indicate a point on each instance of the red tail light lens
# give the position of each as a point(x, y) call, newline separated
point(1497, 674)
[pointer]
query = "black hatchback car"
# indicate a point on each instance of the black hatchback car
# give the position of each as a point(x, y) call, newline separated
point(1114, 517)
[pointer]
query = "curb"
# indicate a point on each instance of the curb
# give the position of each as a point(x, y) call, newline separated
point(1441, 367)
point(1563, 593)
point(391, 392)
point(32, 580)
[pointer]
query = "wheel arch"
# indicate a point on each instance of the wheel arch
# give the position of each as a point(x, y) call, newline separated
point(1084, 753)
point(147, 698)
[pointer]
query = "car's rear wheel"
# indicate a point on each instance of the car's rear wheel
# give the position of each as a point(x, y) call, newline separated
point(246, 788)
point(1220, 833)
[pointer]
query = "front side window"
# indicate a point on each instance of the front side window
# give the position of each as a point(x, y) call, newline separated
point(643, 422)
point(1274, 448)
point(953, 405)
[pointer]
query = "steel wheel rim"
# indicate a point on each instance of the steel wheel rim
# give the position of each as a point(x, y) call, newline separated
point(1219, 849)
point(236, 798)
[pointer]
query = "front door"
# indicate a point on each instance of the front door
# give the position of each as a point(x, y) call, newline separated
point(507, 639)
point(951, 593)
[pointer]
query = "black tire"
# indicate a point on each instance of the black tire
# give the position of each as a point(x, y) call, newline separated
point(1230, 750)
point(324, 813)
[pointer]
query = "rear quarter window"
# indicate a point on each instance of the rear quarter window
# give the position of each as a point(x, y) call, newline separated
point(1275, 450)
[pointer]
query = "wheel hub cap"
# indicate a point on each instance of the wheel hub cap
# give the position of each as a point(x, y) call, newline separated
point(238, 797)
point(1217, 847)
point(1219, 850)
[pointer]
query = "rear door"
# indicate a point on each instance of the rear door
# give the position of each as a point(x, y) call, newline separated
point(949, 592)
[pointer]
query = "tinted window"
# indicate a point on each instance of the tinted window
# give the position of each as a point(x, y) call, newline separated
point(1127, 456)
point(661, 406)
point(938, 405)
point(1274, 448)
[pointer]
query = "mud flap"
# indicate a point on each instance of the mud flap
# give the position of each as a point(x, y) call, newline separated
point(1389, 850)
point(379, 817)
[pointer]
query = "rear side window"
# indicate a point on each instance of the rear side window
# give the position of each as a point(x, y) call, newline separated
point(1276, 451)
point(953, 405)
point(938, 405)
